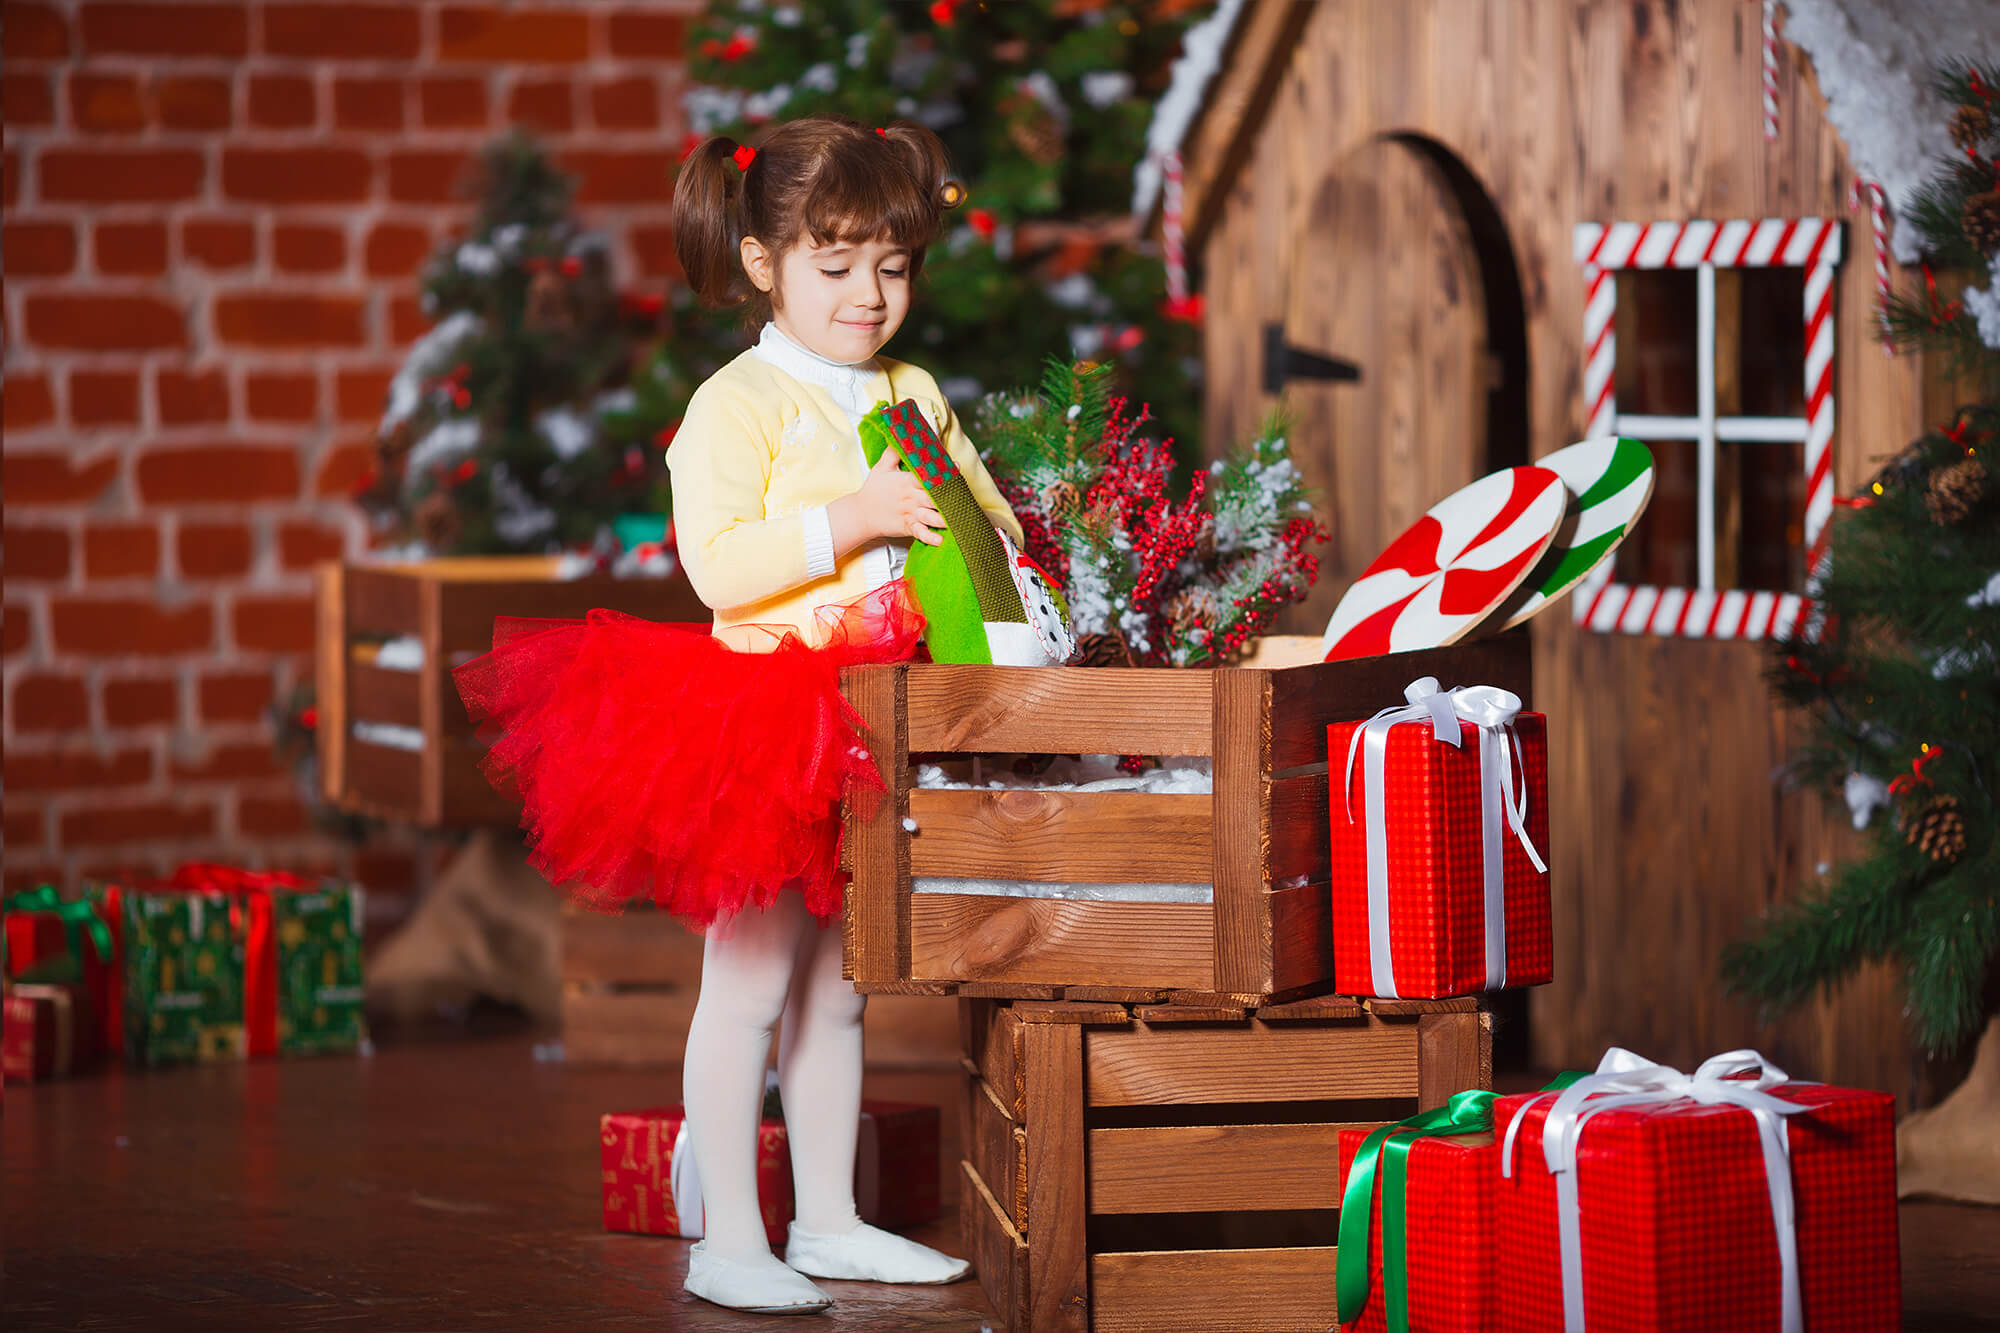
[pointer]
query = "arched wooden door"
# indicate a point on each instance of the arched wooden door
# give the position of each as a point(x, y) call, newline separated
point(1385, 275)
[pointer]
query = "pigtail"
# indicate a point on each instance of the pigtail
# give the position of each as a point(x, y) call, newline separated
point(924, 158)
point(708, 235)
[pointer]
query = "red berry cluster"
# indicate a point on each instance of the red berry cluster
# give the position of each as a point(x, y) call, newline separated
point(1038, 538)
point(1294, 567)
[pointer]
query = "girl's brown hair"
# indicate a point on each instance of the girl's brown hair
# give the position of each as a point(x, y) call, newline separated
point(826, 179)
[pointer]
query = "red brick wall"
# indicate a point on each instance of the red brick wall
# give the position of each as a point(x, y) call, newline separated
point(214, 215)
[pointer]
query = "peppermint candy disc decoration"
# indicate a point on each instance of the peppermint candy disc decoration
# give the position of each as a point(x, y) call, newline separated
point(1612, 479)
point(1451, 568)
point(1047, 615)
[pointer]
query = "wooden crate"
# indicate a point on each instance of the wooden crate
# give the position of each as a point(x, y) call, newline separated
point(449, 606)
point(1156, 1168)
point(630, 983)
point(1260, 838)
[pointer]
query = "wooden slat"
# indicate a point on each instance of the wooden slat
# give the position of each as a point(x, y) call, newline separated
point(642, 946)
point(1115, 994)
point(1301, 850)
point(1061, 836)
point(380, 601)
point(1198, 1291)
point(1009, 990)
point(1215, 1168)
point(1059, 710)
point(1170, 1014)
point(376, 694)
point(973, 937)
point(432, 682)
point(1327, 1008)
point(1072, 1011)
point(1241, 866)
point(999, 1149)
point(1145, 1067)
point(1058, 1295)
point(1409, 1008)
point(330, 682)
point(629, 1027)
point(992, 1038)
point(878, 899)
point(382, 778)
point(930, 988)
point(465, 794)
point(998, 1252)
point(1302, 937)
point(1304, 700)
point(1449, 1058)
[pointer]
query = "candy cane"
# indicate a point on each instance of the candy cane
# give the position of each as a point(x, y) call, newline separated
point(1869, 192)
point(1770, 69)
point(1170, 232)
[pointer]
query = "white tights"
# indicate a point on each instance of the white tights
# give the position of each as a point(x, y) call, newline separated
point(756, 969)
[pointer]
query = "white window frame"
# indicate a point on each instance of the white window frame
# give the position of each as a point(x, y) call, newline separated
point(1812, 244)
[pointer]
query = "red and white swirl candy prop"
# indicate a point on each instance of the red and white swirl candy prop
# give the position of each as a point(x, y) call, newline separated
point(1451, 568)
point(1770, 69)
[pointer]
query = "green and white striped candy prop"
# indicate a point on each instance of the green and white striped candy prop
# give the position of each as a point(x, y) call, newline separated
point(983, 601)
point(1612, 480)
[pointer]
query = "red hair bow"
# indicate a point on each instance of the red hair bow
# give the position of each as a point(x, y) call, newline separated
point(744, 156)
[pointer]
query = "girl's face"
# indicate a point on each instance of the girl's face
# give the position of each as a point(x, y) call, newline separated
point(843, 301)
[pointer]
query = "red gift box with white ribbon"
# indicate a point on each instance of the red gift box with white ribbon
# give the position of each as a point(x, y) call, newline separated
point(652, 1188)
point(1440, 833)
point(1644, 1200)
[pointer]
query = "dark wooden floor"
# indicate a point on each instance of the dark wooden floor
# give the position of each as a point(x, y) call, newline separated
point(443, 1187)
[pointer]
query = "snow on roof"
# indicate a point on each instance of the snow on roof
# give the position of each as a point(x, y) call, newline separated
point(1193, 71)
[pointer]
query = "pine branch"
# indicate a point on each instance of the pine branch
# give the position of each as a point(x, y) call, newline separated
point(1815, 942)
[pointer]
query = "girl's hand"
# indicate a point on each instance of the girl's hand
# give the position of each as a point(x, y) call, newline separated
point(890, 503)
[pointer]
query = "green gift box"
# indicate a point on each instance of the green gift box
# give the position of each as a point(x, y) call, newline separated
point(181, 973)
point(302, 971)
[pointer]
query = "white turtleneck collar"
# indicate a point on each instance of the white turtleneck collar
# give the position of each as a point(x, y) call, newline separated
point(846, 383)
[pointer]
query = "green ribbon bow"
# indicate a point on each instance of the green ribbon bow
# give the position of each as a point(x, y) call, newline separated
point(78, 918)
point(1388, 1149)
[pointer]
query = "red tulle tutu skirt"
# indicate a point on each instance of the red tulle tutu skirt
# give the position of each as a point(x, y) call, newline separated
point(653, 761)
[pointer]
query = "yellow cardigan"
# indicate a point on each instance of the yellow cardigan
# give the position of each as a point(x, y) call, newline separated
point(756, 451)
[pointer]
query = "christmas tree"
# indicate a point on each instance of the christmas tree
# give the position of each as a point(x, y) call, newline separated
point(536, 411)
point(1151, 580)
point(1897, 666)
point(1044, 109)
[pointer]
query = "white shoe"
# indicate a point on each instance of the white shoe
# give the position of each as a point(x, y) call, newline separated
point(760, 1286)
point(870, 1254)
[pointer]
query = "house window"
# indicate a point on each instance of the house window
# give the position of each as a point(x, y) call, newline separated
point(1712, 342)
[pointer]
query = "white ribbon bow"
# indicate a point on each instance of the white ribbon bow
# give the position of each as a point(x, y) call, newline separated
point(1625, 1079)
point(1502, 801)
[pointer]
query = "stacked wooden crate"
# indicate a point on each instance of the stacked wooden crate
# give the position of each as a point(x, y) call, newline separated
point(416, 759)
point(1154, 1090)
point(1152, 1167)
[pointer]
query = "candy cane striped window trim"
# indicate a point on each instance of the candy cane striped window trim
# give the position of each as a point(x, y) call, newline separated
point(1812, 244)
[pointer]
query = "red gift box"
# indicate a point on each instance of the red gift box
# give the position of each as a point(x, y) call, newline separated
point(1443, 811)
point(1448, 1216)
point(47, 1031)
point(1675, 1212)
point(895, 1167)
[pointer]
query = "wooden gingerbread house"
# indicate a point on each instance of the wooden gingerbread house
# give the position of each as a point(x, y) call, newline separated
point(1457, 237)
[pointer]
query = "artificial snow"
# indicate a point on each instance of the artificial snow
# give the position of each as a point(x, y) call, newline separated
point(1103, 87)
point(1864, 793)
point(1085, 773)
point(477, 259)
point(568, 431)
point(425, 362)
point(1987, 596)
point(1187, 84)
point(441, 444)
point(1874, 60)
point(1983, 304)
point(823, 77)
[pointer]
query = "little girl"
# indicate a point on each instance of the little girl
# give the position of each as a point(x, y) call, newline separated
point(706, 771)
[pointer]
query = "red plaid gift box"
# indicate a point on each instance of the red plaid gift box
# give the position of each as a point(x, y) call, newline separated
point(1448, 1222)
point(1435, 807)
point(651, 1188)
point(1679, 1185)
point(47, 1031)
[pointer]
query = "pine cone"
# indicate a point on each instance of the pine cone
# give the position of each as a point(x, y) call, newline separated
point(548, 302)
point(1971, 124)
point(1059, 499)
point(1191, 607)
point(1955, 491)
point(1937, 829)
point(1982, 221)
point(1101, 650)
